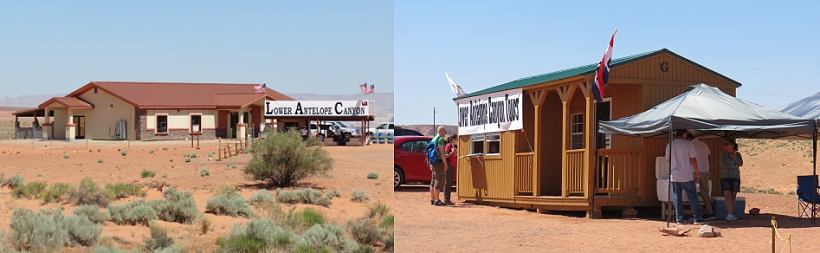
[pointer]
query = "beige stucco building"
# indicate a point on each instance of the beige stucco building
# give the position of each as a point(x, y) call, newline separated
point(156, 111)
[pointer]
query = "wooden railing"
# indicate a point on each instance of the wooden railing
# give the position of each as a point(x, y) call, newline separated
point(523, 173)
point(575, 172)
point(617, 171)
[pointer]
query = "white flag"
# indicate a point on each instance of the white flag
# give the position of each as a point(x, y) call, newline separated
point(457, 91)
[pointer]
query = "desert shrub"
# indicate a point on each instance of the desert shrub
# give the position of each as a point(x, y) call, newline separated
point(151, 151)
point(256, 236)
point(204, 172)
point(66, 156)
point(93, 213)
point(388, 242)
point(378, 210)
point(311, 217)
point(147, 173)
point(387, 222)
point(192, 155)
point(304, 196)
point(176, 207)
point(37, 232)
point(30, 190)
point(359, 196)
point(132, 213)
point(172, 160)
point(283, 159)
point(81, 231)
point(56, 192)
point(204, 224)
point(13, 182)
point(122, 190)
point(327, 235)
point(99, 160)
point(334, 194)
point(159, 237)
point(124, 152)
point(372, 175)
point(187, 160)
point(262, 196)
point(224, 189)
point(111, 249)
point(230, 204)
point(88, 193)
point(364, 231)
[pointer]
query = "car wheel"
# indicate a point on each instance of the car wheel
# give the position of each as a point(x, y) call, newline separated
point(398, 178)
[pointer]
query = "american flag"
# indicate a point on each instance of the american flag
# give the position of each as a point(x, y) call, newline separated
point(260, 89)
point(367, 90)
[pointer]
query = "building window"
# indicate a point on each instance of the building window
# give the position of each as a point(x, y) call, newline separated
point(196, 123)
point(162, 123)
point(577, 131)
point(494, 143)
point(477, 144)
point(95, 90)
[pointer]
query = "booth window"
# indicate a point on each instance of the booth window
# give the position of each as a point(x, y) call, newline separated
point(162, 123)
point(477, 144)
point(196, 123)
point(493, 143)
point(577, 133)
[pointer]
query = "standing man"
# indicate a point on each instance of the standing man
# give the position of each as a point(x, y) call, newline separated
point(684, 173)
point(438, 169)
point(704, 157)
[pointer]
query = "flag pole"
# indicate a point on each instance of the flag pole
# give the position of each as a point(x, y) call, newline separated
point(595, 163)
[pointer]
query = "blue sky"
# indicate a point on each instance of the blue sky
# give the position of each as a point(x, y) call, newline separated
point(770, 47)
point(323, 47)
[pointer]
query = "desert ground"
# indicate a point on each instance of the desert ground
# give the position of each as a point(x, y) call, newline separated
point(770, 166)
point(69, 162)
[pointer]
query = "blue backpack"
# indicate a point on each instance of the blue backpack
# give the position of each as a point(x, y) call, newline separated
point(433, 156)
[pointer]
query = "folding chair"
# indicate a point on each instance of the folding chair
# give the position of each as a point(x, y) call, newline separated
point(806, 189)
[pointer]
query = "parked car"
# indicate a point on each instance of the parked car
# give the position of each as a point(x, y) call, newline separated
point(406, 132)
point(385, 128)
point(410, 160)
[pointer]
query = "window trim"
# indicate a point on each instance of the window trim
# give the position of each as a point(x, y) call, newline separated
point(156, 123)
point(488, 139)
point(191, 123)
point(572, 132)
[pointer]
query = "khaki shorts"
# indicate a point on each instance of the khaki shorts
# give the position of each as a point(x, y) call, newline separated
point(437, 181)
point(704, 182)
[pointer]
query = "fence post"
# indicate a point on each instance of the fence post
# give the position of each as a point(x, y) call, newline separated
point(773, 232)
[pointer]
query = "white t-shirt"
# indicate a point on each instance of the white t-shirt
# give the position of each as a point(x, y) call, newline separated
point(681, 165)
point(703, 155)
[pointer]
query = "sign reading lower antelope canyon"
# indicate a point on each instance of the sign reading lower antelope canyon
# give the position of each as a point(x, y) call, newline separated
point(494, 112)
point(318, 108)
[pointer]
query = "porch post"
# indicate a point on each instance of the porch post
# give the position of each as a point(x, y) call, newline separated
point(589, 157)
point(565, 93)
point(47, 126)
point(537, 98)
point(69, 127)
point(240, 126)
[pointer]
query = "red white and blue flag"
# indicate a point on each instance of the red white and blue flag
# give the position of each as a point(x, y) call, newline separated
point(367, 90)
point(602, 74)
point(260, 89)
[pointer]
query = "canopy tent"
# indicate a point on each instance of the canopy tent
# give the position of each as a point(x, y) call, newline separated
point(808, 107)
point(709, 112)
point(706, 110)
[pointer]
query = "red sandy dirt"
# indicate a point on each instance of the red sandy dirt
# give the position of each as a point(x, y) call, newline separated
point(45, 161)
point(468, 227)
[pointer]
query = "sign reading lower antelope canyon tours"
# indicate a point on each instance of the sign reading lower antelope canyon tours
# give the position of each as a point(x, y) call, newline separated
point(318, 108)
point(494, 112)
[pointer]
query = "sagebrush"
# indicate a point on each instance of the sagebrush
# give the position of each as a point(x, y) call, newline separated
point(283, 159)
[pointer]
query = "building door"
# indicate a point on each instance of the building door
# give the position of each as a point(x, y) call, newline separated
point(232, 125)
point(79, 130)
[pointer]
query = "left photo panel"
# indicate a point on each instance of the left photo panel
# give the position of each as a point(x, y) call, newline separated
point(207, 127)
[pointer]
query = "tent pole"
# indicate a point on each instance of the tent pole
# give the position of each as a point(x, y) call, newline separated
point(669, 179)
point(814, 173)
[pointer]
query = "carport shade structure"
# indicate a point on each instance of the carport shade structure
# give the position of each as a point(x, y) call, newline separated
point(708, 112)
point(809, 108)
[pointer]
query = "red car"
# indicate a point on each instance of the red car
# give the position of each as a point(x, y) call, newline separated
point(410, 160)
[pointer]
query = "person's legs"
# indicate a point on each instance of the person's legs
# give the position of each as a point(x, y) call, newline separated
point(692, 192)
point(432, 188)
point(438, 182)
point(448, 185)
point(705, 193)
point(676, 193)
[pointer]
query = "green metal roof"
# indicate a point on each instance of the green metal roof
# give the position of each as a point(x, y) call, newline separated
point(584, 70)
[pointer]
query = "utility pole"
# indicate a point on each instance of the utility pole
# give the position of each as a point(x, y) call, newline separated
point(434, 121)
